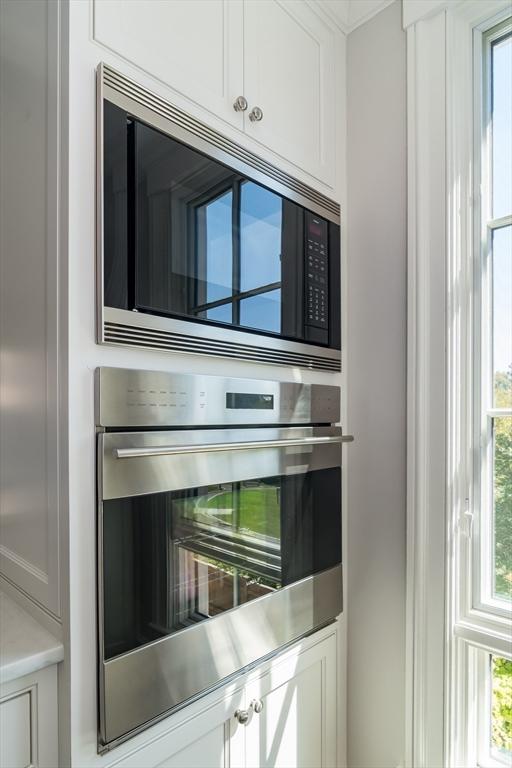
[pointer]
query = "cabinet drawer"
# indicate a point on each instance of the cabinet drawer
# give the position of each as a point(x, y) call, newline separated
point(15, 735)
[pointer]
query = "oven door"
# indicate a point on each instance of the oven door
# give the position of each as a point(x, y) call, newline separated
point(216, 548)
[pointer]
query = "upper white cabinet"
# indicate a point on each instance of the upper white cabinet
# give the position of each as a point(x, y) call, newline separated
point(195, 47)
point(280, 55)
point(289, 55)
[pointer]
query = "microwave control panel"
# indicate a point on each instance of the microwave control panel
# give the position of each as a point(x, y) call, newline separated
point(317, 271)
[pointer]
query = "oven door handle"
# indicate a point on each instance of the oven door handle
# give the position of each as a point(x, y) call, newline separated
point(171, 450)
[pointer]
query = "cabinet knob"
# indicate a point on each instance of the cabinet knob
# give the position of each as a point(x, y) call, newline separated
point(255, 115)
point(240, 104)
point(242, 715)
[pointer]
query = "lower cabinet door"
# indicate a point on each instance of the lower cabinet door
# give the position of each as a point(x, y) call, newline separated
point(209, 751)
point(292, 712)
point(204, 740)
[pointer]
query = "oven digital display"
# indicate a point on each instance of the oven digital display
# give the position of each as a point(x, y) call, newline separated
point(249, 400)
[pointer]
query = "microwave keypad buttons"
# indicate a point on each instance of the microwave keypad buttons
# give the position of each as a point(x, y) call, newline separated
point(316, 284)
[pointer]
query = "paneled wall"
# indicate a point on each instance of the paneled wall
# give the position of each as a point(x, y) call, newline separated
point(30, 395)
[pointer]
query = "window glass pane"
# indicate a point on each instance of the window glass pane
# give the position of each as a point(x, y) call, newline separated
point(502, 127)
point(501, 717)
point(262, 311)
point(219, 247)
point(260, 237)
point(502, 503)
point(502, 316)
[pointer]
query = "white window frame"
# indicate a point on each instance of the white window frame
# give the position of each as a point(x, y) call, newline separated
point(485, 225)
point(449, 633)
point(478, 624)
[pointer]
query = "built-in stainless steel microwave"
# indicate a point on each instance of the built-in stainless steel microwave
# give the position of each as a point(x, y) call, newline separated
point(204, 247)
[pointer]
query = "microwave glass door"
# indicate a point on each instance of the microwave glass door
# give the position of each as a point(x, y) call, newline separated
point(196, 240)
point(174, 559)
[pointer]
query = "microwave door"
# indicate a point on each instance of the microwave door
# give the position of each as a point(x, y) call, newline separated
point(211, 245)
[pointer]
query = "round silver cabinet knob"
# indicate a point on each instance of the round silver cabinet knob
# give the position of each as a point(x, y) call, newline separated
point(257, 705)
point(242, 715)
point(240, 104)
point(256, 114)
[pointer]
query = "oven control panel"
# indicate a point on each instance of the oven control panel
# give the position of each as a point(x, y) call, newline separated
point(138, 398)
point(317, 271)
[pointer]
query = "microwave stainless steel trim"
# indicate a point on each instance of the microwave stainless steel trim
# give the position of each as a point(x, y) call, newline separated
point(145, 684)
point(127, 328)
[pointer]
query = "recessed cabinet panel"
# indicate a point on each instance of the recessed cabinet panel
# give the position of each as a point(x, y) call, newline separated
point(194, 47)
point(30, 394)
point(209, 751)
point(15, 736)
point(289, 56)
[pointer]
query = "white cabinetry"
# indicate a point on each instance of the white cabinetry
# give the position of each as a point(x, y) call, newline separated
point(280, 55)
point(30, 394)
point(296, 727)
point(289, 55)
point(195, 47)
point(28, 721)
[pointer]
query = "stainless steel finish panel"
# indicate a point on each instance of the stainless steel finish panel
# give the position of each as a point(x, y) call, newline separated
point(154, 110)
point(138, 330)
point(166, 471)
point(146, 683)
point(134, 398)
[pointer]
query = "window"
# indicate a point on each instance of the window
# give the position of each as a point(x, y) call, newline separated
point(493, 403)
point(484, 622)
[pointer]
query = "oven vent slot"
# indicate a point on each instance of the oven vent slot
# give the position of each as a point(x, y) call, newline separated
point(122, 85)
point(149, 338)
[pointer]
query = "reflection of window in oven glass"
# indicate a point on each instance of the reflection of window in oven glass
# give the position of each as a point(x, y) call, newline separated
point(253, 506)
point(227, 547)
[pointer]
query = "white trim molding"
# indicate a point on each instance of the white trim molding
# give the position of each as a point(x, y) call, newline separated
point(350, 14)
point(439, 109)
point(426, 478)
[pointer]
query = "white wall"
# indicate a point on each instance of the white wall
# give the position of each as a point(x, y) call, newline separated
point(376, 370)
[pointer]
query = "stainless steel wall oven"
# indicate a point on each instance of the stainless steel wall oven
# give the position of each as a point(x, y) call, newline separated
point(202, 246)
point(219, 532)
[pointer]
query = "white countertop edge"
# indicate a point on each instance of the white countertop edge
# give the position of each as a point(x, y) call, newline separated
point(25, 645)
point(33, 663)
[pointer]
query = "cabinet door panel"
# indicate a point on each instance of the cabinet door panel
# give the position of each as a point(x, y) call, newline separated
point(30, 371)
point(15, 732)
point(194, 47)
point(209, 751)
point(208, 739)
point(289, 59)
point(297, 725)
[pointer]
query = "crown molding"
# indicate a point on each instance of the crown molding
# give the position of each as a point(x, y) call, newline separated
point(350, 14)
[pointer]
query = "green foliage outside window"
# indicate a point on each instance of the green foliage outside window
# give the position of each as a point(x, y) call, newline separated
point(501, 736)
point(503, 487)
